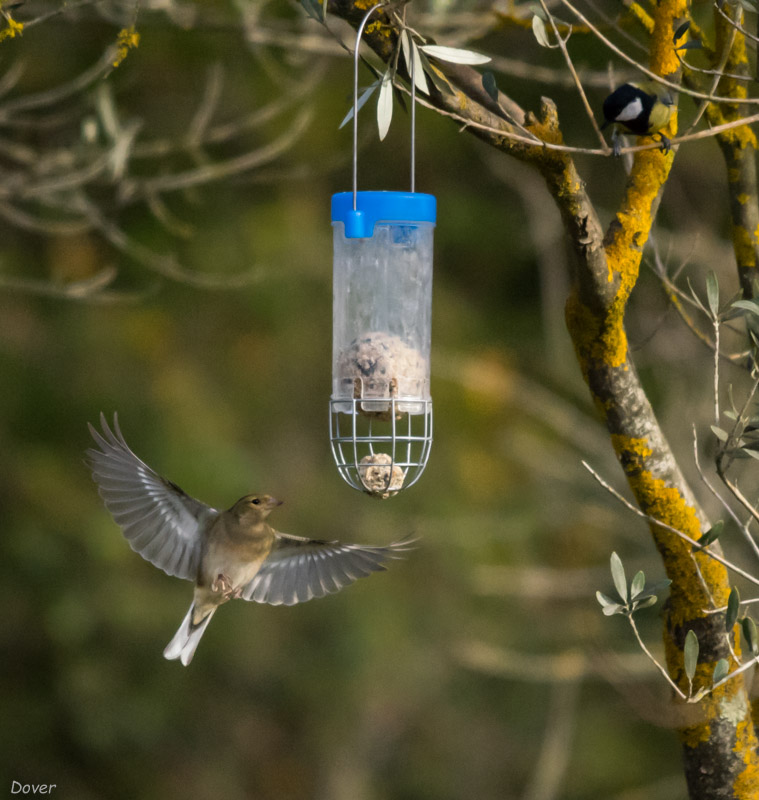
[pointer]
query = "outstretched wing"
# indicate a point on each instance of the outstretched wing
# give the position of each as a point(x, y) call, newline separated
point(160, 522)
point(300, 569)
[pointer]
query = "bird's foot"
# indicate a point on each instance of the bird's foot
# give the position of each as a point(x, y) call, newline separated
point(665, 143)
point(223, 586)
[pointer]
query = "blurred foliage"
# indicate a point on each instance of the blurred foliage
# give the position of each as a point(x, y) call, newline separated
point(441, 678)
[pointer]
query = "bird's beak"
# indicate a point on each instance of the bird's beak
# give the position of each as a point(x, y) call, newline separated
point(273, 502)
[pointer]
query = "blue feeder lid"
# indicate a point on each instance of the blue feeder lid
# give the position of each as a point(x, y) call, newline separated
point(373, 207)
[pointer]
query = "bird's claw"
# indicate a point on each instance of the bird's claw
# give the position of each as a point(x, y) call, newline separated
point(223, 586)
point(665, 144)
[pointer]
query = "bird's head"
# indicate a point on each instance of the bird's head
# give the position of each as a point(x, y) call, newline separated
point(255, 506)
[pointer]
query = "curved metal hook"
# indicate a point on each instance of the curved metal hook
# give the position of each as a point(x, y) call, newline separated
point(359, 33)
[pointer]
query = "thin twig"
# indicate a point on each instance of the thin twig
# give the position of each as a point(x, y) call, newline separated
point(661, 669)
point(715, 82)
point(716, 369)
point(720, 559)
point(562, 43)
point(742, 526)
point(703, 134)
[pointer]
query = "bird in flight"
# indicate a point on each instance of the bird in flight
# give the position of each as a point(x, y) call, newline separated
point(227, 554)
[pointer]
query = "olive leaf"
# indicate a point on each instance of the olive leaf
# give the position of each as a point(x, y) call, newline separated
point(719, 433)
point(454, 55)
point(609, 606)
point(690, 654)
point(638, 582)
point(618, 576)
point(747, 305)
point(681, 31)
point(749, 634)
point(710, 536)
point(721, 668)
point(539, 30)
point(712, 293)
point(489, 85)
point(413, 61)
point(365, 95)
point(385, 105)
point(733, 607)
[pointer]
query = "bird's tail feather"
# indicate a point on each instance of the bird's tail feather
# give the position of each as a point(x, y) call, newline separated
point(186, 639)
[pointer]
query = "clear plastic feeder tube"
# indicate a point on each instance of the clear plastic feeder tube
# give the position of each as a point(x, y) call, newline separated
point(381, 409)
point(382, 300)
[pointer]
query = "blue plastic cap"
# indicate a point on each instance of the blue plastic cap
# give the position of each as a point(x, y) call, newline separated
point(374, 207)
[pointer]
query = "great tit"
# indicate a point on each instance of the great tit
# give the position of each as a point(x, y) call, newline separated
point(642, 109)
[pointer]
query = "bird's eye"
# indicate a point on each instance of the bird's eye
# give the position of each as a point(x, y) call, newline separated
point(255, 501)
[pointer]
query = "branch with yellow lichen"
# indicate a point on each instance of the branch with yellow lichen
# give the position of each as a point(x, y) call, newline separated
point(723, 743)
point(12, 29)
point(738, 148)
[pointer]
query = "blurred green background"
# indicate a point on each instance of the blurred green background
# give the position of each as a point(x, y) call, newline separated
point(480, 667)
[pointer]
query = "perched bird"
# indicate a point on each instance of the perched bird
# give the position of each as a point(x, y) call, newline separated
point(227, 554)
point(642, 109)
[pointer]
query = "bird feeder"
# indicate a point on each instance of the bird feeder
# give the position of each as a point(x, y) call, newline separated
point(381, 409)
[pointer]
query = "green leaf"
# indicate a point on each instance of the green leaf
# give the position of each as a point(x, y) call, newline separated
point(618, 576)
point(710, 536)
point(645, 601)
point(605, 600)
point(385, 105)
point(690, 654)
point(454, 55)
point(365, 95)
point(719, 433)
point(681, 31)
point(411, 55)
point(747, 305)
point(712, 293)
point(733, 607)
point(638, 582)
point(313, 9)
point(537, 9)
point(489, 85)
point(539, 31)
point(696, 298)
point(748, 626)
point(435, 75)
point(615, 609)
point(693, 44)
point(659, 586)
point(721, 668)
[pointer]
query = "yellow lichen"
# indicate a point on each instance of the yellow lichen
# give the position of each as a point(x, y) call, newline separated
point(664, 60)
point(642, 16)
point(743, 245)
point(14, 28)
point(631, 446)
point(127, 39)
point(746, 785)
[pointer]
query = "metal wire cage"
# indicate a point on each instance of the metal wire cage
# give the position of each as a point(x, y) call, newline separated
point(379, 448)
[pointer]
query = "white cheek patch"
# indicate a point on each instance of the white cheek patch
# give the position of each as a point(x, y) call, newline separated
point(631, 111)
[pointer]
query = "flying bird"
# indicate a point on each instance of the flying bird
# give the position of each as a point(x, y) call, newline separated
point(227, 554)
